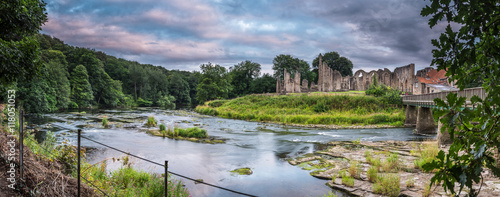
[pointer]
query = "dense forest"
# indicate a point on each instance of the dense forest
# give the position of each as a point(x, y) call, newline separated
point(74, 77)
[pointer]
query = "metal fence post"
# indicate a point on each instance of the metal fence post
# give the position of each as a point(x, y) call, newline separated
point(21, 144)
point(166, 178)
point(79, 133)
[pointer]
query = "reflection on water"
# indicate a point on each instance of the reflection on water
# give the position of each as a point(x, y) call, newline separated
point(262, 147)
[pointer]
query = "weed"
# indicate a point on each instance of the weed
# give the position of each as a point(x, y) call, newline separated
point(387, 184)
point(355, 169)
point(427, 190)
point(346, 179)
point(330, 194)
point(428, 153)
point(391, 164)
point(410, 182)
point(372, 173)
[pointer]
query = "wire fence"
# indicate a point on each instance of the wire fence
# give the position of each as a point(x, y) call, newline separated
point(159, 164)
point(127, 153)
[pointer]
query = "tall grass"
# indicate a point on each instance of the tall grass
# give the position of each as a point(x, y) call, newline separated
point(125, 181)
point(193, 132)
point(428, 153)
point(387, 185)
point(307, 109)
point(128, 181)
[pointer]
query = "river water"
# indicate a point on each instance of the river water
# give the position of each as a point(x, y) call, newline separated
point(262, 147)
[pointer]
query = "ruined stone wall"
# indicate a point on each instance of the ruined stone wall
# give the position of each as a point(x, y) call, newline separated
point(288, 84)
point(331, 80)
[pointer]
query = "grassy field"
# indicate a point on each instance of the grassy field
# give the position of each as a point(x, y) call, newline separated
point(335, 108)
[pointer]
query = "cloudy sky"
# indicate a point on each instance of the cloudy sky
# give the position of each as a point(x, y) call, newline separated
point(182, 34)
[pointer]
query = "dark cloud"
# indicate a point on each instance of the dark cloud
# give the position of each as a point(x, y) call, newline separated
point(182, 34)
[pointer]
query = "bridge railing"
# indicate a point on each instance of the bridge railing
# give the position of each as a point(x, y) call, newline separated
point(428, 99)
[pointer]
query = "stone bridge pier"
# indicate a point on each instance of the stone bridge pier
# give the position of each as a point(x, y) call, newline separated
point(422, 118)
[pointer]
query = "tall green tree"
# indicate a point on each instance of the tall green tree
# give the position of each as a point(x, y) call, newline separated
point(214, 83)
point(81, 91)
point(242, 76)
point(470, 52)
point(57, 78)
point(291, 64)
point(20, 21)
point(179, 88)
point(264, 84)
point(335, 62)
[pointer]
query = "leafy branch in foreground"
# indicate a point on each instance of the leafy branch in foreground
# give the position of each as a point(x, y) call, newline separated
point(469, 54)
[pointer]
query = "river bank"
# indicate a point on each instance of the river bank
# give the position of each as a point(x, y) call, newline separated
point(332, 111)
point(390, 168)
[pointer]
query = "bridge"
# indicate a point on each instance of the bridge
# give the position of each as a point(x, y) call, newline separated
point(418, 108)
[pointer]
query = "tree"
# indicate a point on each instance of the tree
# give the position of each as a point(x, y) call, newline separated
point(470, 53)
point(291, 64)
point(242, 76)
point(179, 88)
point(20, 21)
point(214, 83)
point(335, 62)
point(57, 78)
point(264, 84)
point(81, 91)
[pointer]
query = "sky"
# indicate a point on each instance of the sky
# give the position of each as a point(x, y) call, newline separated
point(183, 34)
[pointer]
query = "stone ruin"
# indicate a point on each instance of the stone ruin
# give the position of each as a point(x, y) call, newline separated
point(332, 81)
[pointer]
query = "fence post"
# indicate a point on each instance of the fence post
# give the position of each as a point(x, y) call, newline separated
point(21, 144)
point(79, 133)
point(166, 178)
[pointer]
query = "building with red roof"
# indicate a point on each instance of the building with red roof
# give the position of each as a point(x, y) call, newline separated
point(429, 80)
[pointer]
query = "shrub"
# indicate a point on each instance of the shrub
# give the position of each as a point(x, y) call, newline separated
point(167, 102)
point(320, 107)
point(193, 132)
point(163, 127)
point(387, 184)
point(72, 105)
point(144, 103)
point(151, 122)
point(105, 122)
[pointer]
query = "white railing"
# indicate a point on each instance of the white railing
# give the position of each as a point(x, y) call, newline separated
point(428, 99)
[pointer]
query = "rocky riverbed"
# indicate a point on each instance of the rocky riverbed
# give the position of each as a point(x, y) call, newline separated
point(355, 158)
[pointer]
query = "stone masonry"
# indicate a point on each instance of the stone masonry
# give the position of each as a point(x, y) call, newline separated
point(331, 80)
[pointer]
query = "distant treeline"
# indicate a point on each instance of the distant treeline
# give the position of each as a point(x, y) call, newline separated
point(74, 77)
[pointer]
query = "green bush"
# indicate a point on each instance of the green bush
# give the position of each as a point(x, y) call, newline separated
point(72, 105)
point(105, 123)
point(320, 107)
point(193, 132)
point(163, 127)
point(151, 122)
point(144, 103)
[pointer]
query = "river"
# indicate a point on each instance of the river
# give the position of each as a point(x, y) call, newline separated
point(262, 147)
